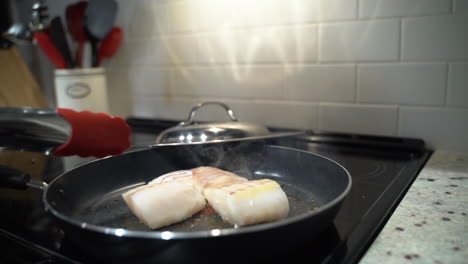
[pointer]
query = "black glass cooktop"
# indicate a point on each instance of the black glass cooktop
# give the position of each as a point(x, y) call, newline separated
point(382, 169)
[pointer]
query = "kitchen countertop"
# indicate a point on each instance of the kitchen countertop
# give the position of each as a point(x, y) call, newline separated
point(430, 224)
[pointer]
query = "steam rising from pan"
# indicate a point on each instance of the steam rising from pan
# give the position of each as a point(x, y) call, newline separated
point(216, 154)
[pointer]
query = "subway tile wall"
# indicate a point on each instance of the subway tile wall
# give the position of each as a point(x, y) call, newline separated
point(384, 67)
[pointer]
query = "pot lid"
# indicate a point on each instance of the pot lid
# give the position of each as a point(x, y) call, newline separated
point(191, 132)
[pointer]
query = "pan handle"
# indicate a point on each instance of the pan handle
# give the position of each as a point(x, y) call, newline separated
point(16, 179)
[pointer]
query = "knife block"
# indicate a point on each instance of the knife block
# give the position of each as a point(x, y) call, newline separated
point(18, 88)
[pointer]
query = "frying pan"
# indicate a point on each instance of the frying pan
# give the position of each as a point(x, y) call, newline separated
point(87, 202)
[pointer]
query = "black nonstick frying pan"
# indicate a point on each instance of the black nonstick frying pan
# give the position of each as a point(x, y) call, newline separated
point(87, 202)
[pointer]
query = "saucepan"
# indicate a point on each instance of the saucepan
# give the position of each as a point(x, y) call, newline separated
point(87, 202)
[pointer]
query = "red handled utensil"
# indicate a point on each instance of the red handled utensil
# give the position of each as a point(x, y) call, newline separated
point(57, 34)
point(44, 41)
point(110, 44)
point(75, 16)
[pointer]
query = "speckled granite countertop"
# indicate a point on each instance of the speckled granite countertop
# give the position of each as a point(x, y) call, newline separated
point(430, 224)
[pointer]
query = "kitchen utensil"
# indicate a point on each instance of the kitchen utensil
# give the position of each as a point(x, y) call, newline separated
point(17, 84)
point(18, 33)
point(190, 132)
point(75, 15)
point(46, 44)
point(63, 132)
point(22, 33)
point(100, 17)
point(57, 34)
point(87, 56)
point(110, 44)
point(87, 202)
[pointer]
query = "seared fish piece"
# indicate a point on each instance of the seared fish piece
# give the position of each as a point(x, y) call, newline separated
point(185, 176)
point(210, 177)
point(249, 202)
point(163, 204)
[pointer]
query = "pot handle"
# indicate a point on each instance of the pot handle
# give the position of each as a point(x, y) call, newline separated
point(63, 132)
point(16, 179)
point(198, 106)
point(94, 134)
point(13, 178)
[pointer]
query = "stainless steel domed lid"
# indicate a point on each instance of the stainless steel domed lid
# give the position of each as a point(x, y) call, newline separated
point(190, 132)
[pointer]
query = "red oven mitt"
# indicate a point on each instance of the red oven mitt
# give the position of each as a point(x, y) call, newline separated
point(94, 134)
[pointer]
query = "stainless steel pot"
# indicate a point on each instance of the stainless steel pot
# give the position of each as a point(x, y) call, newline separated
point(67, 132)
point(63, 132)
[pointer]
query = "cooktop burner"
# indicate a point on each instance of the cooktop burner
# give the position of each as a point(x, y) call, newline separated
point(382, 169)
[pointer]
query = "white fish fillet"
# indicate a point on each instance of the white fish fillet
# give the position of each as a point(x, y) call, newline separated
point(210, 177)
point(185, 176)
point(249, 202)
point(163, 204)
point(176, 196)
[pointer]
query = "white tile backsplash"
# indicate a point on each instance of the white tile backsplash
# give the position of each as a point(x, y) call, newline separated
point(182, 49)
point(332, 83)
point(156, 51)
point(264, 82)
point(300, 11)
point(277, 113)
point(261, 82)
point(386, 8)
point(359, 41)
point(402, 83)
point(199, 81)
point(181, 16)
point(157, 107)
point(139, 20)
point(457, 92)
point(441, 128)
point(460, 7)
point(280, 45)
point(364, 119)
point(337, 9)
point(218, 48)
point(147, 81)
point(435, 38)
point(385, 67)
point(118, 93)
point(262, 45)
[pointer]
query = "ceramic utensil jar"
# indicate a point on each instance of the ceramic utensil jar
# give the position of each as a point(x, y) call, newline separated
point(82, 89)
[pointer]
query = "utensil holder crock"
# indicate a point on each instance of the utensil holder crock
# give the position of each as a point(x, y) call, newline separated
point(82, 89)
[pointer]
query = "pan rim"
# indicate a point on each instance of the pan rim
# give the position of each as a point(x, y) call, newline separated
point(177, 235)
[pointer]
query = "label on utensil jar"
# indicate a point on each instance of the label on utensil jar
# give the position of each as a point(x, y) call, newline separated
point(78, 90)
point(81, 89)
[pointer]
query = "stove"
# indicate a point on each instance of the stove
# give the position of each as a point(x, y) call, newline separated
point(382, 169)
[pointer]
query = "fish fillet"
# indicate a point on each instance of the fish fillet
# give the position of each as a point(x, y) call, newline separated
point(185, 176)
point(163, 204)
point(249, 202)
point(176, 196)
point(210, 177)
